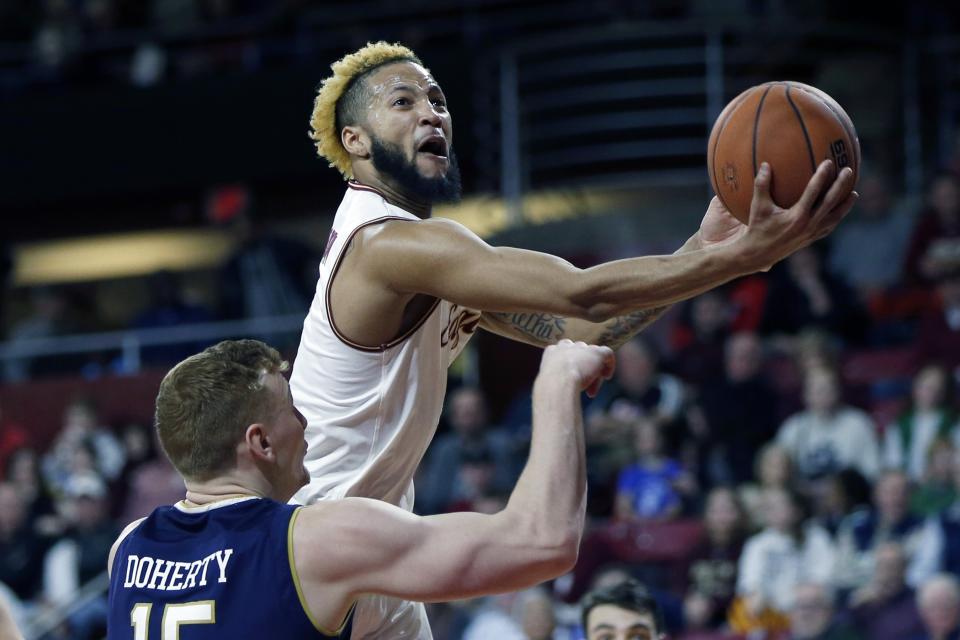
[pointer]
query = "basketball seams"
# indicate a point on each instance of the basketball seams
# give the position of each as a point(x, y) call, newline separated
point(844, 122)
point(713, 153)
point(803, 127)
point(756, 126)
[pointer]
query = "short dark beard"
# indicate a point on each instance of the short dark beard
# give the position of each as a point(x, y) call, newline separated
point(389, 160)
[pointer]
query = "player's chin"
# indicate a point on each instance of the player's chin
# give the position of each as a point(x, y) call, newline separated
point(431, 166)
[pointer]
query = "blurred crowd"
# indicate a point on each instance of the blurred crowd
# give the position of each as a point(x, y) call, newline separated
point(780, 458)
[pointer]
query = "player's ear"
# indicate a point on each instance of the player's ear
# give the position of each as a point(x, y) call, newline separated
point(258, 442)
point(356, 141)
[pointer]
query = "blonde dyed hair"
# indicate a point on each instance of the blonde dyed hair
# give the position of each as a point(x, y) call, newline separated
point(347, 71)
point(206, 403)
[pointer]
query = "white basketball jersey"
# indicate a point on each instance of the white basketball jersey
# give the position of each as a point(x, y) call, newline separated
point(371, 411)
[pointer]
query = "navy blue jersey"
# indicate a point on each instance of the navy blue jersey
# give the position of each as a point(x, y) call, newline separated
point(220, 571)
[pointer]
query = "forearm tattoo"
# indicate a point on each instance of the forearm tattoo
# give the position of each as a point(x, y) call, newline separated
point(619, 330)
point(544, 327)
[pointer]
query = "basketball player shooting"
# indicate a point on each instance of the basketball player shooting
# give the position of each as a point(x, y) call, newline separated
point(233, 560)
point(400, 293)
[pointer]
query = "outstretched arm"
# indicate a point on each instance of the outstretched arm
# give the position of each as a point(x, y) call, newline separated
point(443, 259)
point(378, 548)
point(718, 228)
point(541, 329)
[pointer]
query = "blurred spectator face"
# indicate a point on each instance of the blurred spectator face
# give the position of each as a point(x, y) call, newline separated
point(945, 197)
point(812, 612)
point(468, 412)
point(635, 366)
point(781, 513)
point(80, 417)
point(743, 357)
point(940, 461)
point(820, 392)
point(874, 199)
point(647, 440)
point(892, 495)
point(939, 604)
point(85, 500)
point(476, 477)
point(538, 618)
point(23, 468)
point(84, 460)
point(774, 467)
point(929, 387)
point(722, 515)
point(890, 569)
point(708, 314)
point(136, 441)
point(12, 510)
point(610, 622)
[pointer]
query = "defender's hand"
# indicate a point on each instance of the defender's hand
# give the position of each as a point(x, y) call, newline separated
point(586, 365)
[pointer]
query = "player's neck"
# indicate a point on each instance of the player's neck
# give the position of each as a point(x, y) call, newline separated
point(218, 489)
point(396, 196)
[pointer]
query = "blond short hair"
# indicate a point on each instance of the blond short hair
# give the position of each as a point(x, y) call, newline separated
point(324, 126)
point(206, 403)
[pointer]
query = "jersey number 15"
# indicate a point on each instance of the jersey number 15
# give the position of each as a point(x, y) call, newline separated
point(174, 615)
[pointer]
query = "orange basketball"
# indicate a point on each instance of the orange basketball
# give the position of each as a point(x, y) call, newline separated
point(793, 127)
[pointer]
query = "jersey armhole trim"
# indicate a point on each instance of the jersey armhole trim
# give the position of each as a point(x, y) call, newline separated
point(115, 548)
point(329, 290)
point(296, 584)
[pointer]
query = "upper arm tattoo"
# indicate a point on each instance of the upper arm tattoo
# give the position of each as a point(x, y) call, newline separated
point(541, 327)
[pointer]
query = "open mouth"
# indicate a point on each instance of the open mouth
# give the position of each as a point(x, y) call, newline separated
point(434, 145)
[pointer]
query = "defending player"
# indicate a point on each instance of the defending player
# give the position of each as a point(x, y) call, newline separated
point(237, 561)
point(399, 294)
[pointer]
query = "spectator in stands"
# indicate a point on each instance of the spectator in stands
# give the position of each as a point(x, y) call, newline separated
point(21, 548)
point(168, 307)
point(944, 550)
point(537, 617)
point(938, 334)
point(885, 608)
point(149, 483)
point(653, 486)
point(937, 490)
point(939, 604)
point(267, 275)
point(804, 295)
point(889, 519)
point(827, 435)
point(698, 337)
point(931, 415)
point(23, 472)
point(81, 427)
point(935, 244)
point(82, 553)
point(638, 389)
point(868, 249)
point(712, 571)
point(813, 615)
point(623, 610)
point(772, 469)
point(786, 553)
point(472, 440)
point(735, 416)
point(841, 494)
point(46, 318)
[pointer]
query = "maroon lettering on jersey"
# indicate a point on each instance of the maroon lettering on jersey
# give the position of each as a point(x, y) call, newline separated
point(330, 240)
point(462, 321)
